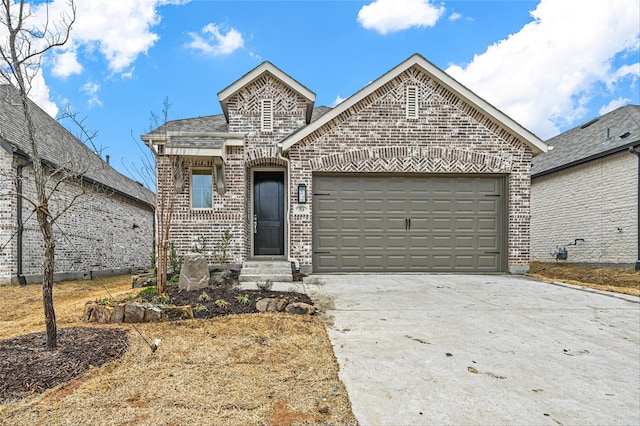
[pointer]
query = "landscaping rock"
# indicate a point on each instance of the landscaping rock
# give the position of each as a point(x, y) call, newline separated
point(152, 313)
point(194, 274)
point(118, 313)
point(300, 308)
point(133, 312)
point(101, 314)
point(143, 280)
point(268, 304)
point(178, 313)
point(88, 309)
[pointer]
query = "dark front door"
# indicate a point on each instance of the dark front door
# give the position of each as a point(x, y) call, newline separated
point(268, 210)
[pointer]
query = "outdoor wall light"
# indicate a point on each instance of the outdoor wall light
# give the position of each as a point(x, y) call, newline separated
point(302, 193)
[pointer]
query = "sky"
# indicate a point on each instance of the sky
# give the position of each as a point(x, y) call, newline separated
point(549, 64)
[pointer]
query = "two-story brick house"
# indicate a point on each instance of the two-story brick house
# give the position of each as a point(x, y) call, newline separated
point(413, 172)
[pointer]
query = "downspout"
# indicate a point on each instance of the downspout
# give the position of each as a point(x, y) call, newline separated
point(633, 151)
point(21, 278)
point(288, 217)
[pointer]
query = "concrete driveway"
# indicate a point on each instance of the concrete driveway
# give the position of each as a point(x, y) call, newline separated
point(482, 349)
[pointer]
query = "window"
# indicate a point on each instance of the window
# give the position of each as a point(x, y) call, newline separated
point(267, 115)
point(201, 189)
point(412, 102)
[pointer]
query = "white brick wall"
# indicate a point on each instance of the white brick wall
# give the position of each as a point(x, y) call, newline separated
point(596, 201)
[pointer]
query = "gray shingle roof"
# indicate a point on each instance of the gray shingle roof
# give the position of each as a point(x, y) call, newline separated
point(596, 138)
point(210, 123)
point(60, 148)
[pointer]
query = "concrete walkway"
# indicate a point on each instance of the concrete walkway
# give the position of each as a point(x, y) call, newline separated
point(482, 349)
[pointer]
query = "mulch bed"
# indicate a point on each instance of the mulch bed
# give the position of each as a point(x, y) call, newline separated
point(224, 297)
point(26, 367)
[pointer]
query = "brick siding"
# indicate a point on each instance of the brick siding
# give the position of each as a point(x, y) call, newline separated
point(449, 136)
point(595, 201)
point(96, 234)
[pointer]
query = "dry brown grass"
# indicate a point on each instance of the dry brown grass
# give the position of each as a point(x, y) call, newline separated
point(266, 369)
point(626, 281)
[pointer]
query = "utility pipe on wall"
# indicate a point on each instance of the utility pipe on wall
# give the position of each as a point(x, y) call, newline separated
point(21, 278)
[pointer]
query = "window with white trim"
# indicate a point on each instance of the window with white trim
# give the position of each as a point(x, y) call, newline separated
point(201, 188)
point(267, 115)
point(412, 102)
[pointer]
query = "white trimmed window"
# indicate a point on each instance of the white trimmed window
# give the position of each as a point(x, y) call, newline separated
point(412, 102)
point(201, 188)
point(267, 115)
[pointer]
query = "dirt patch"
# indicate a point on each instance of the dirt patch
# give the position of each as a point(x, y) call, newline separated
point(626, 281)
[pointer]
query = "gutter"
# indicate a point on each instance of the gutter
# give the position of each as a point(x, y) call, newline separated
point(288, 217)
point(21, 278)
point(633, 151)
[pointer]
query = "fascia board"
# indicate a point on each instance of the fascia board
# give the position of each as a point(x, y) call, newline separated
point(194, 152)
point(537, 145)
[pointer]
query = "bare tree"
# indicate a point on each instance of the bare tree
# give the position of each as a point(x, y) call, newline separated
point(21, 57)
point(169, 172)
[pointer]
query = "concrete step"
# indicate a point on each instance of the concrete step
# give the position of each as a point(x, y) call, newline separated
point(257, 271)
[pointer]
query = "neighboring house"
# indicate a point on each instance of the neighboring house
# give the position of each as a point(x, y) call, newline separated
point(585, 193)
point(109, 229)
point(413, 172)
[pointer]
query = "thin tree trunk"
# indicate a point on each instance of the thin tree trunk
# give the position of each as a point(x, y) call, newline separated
point(47, 279)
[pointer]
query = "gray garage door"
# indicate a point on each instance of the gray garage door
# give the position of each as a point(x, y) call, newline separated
point(372, 223)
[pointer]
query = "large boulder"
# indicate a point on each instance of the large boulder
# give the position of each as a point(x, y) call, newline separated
point(194, 274)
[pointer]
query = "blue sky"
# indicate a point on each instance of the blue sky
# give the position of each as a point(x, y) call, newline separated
point(548, 64)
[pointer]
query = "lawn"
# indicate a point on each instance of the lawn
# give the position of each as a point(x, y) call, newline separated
point(262, 369)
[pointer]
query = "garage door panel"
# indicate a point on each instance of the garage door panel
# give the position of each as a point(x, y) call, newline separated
point(408, 223)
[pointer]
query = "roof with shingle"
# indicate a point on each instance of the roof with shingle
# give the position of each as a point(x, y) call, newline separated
point(610, 133)
point(179, 130)
point(58, 147)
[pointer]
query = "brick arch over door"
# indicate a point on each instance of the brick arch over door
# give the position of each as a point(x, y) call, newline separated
point(408, 159)
point(264, 157)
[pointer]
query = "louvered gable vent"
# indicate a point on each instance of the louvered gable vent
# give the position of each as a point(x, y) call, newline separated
point(412, 102)
point(267, 115)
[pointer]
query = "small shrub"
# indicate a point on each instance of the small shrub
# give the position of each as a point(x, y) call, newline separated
point(222, 248)
point(175, 261)
point(221, 303)
point(200, 308)
point(204, 297)
point(106, 301)
point(200, 245)
point(243, 298)
point(174, 279)
point(162, 299)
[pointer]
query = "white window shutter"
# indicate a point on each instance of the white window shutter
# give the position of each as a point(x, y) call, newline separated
point(412, 102)
point(267, 115)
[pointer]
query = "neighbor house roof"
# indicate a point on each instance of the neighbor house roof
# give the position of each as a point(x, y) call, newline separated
point(605, 135)
point(536, 145)
point(257, 72)
point(59, 148)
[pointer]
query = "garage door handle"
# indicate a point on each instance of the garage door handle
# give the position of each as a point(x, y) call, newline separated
point(491, 252)
point(321, 252)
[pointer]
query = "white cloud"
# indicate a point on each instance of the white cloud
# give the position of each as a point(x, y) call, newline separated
point(614, 104)
point(455, 16)
point(91, 89)
point(66, 64)
point(215, 42)
point(385, 16)
point(39, 94)
point(337, 101)
point(544, 75)
point(120, 31)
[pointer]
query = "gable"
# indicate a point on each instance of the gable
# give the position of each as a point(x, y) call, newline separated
point(266, 70)
point(435, 86)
